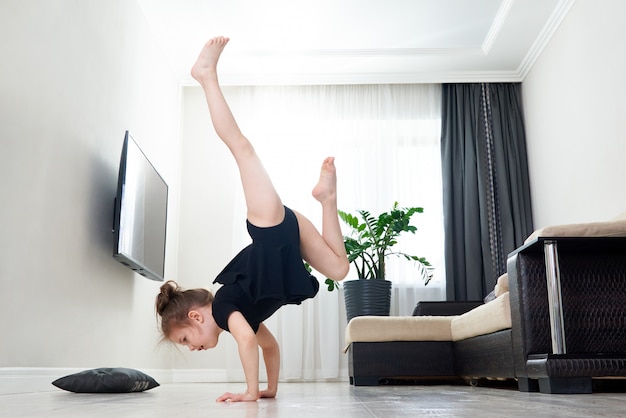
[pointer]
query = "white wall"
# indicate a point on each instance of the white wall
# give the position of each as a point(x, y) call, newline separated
point(575, 108)
point(74, 75)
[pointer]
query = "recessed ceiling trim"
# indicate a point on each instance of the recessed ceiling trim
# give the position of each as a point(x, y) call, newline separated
point(368, 53)
point(481, 40)
point(496, 26)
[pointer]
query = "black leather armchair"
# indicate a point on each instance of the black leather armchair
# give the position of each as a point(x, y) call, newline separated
point(568, 312)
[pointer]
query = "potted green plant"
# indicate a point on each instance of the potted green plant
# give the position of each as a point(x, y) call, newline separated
point(370, 241)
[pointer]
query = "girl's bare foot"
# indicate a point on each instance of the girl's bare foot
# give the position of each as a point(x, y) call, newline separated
point(326, 187)
point(206, 64)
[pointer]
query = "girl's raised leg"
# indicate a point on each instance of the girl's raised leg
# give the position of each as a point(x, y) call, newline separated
point(326, 253)
point(263, 203)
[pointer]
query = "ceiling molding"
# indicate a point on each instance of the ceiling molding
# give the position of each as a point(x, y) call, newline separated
point(544, 36)
point(363, 78)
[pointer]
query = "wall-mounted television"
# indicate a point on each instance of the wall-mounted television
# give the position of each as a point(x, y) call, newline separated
point(140, 214)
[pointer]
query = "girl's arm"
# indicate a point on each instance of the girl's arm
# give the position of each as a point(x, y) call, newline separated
point(271, 355)
point(249, 354)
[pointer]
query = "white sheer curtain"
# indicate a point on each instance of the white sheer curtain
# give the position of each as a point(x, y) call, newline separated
point(386, 142)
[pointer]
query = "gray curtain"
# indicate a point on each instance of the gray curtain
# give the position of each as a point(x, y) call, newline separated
point(486, 192)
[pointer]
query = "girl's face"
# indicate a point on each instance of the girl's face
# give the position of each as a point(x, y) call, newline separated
point(201, 334)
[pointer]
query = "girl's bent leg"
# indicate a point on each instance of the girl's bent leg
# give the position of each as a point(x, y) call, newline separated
point(325, 252)
point(264, 207)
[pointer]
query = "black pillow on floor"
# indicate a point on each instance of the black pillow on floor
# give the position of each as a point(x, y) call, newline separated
point(106, 380)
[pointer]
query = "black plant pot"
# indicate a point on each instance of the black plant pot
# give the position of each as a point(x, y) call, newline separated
point(367, 297)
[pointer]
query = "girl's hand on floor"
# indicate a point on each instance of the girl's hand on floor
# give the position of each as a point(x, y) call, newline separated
point(237, 397)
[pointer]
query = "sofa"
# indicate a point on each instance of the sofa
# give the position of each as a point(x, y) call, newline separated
point(556, 325)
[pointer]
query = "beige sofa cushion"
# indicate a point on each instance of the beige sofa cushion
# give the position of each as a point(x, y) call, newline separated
point(616, 228)
point(484, 319)
point(398, 328)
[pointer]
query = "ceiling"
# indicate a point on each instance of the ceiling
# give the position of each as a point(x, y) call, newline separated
point(358, 41)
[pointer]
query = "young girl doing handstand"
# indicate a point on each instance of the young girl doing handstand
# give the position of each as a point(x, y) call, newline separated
point(268, 273)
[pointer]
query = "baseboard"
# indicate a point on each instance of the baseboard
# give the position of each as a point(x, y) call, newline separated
point(39, 379)
point(15, 380)
point(29, 379)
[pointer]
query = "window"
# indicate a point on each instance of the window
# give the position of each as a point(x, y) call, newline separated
point(386, 140)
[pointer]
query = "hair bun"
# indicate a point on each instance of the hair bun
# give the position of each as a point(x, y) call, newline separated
point(168, 291)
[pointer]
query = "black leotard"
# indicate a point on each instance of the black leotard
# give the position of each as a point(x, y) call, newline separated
point(264, 276)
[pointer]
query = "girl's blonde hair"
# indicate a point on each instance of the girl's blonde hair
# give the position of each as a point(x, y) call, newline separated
point(174, 303)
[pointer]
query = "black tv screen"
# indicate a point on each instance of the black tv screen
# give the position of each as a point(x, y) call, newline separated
point(140, 215)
